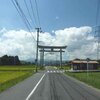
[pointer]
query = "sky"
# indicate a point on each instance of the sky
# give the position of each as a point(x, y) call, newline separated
point(63, 22)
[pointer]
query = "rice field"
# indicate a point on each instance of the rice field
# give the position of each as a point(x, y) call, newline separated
point(17, 68)
point(11, 75)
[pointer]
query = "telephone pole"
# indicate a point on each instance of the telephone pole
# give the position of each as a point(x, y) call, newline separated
point(36, 60)
point(98, 40)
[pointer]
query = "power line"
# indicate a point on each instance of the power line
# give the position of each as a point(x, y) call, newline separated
point(97, 12)
point(33, 13)
point(29, 13)
point(18, 11)
point(22, 15)
point(97, 29)
point(37, 13)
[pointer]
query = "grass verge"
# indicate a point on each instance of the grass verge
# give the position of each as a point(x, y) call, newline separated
point(65, 67)
point(92, 78)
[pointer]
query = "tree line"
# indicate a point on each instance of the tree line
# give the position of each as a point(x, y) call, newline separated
point(9, 60)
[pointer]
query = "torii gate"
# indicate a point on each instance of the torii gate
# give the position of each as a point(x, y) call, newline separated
point(51, 49)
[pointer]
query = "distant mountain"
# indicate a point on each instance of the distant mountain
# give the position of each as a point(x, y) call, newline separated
point(31, 60)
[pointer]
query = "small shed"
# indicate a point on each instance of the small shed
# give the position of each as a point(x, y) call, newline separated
point(82, 65)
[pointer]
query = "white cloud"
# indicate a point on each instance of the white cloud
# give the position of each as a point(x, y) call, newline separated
point(57, 17)
point(21, 43)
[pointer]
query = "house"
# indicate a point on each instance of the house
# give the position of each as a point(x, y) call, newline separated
point(82, 65)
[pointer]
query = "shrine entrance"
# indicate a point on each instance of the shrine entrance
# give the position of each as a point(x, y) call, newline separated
point(50, 49)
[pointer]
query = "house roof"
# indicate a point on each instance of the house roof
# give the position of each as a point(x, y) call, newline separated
point(80, 61)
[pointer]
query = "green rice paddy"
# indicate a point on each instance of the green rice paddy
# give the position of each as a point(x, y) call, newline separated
point(11, 75)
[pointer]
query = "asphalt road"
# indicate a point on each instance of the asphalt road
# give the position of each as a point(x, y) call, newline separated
point(56, 86)
point(50, 85)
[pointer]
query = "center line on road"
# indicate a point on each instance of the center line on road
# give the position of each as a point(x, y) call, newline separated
point(35, 88)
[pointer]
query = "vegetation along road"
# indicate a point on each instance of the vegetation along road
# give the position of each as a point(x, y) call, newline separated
point(50, 84)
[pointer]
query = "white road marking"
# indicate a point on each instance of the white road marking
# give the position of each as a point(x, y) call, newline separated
point(63, 71)
point(35, 87)
point(56, 71)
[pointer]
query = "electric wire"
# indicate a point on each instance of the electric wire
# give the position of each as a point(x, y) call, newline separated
point(22, 15)
point(19, 12)
point(29, 13)
point(37, 13)
point(97, 31)
point(33, 13)
point(97, 12)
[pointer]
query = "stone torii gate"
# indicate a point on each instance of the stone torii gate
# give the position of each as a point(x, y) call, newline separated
point(44, 49)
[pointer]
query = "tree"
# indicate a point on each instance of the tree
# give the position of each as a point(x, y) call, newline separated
point(9, 60)
point(5, 60)
point(16, 60)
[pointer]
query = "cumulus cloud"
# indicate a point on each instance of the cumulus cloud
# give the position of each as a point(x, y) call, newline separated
point(20, 42)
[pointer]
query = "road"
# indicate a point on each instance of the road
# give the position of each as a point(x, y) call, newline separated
point(50, 85)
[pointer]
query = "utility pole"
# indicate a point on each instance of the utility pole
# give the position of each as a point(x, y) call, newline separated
point(98, 40)
point(36, 61)
point(61, 58)
point(87, 66)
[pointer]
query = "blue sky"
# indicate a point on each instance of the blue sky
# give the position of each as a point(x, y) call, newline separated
point(54, 14)
point(64, 22)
